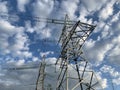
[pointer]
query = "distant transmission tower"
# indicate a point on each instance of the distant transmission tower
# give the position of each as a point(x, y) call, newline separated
point(41, 76)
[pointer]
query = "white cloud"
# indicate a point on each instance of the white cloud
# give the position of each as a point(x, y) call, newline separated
point(116, 81)
point(42, 8)
point(93, 5)
point(21, 4)
point(71, 10)
point(45, 33)
point(13, 63)
point(19, 79)
point(29, 27)
point(115, 17)
point(6, 27)
point(14, 39)
point(86, 9)
point(90, 43)
point(3, 7)
point(114, 56)
point(99, 27)
point(103, 81)
point(8, 82)
point(106, 45)
point(83, 12)
point(46, 53)
point(107, 11)
point(110, 70)
point(114, 74)
point(106, 32)
point(20, 62)
point(97, 51)
point(35, 59)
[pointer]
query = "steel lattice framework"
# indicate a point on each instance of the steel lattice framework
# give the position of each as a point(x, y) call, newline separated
point(72, 39)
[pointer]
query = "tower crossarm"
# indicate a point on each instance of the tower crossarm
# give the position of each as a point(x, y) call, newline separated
point(75, 39)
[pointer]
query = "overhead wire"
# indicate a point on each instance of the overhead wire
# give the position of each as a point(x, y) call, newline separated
point(35, 18)
point(23, 67)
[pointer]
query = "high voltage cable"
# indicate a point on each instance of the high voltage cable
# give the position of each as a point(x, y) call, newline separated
point(36, 18)
point(23, 67)
point(41, 19)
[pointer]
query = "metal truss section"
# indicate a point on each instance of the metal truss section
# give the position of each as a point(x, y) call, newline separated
point(66, 28)
point(75, 39)
point(79, 76)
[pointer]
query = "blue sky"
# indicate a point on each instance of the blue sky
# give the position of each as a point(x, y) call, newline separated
point(22, 38)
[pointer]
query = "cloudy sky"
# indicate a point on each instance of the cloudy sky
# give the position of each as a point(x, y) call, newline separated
point(23, 40)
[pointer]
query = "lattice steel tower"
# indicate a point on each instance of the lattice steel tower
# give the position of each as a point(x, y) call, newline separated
point(72, 39)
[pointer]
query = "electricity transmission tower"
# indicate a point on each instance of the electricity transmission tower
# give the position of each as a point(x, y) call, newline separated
point(72, 39)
